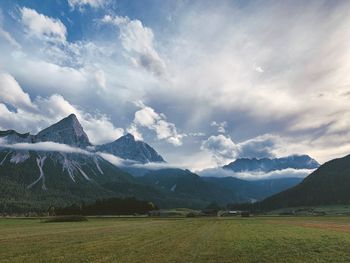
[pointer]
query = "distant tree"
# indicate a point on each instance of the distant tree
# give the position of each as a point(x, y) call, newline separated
point(51, 211)
point(111, 206)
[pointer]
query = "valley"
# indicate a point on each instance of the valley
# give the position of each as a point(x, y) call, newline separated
point(59, 166)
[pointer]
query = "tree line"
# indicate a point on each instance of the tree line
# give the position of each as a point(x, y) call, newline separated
point(110, 206)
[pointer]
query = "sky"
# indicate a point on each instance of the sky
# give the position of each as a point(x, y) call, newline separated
point(203, 83)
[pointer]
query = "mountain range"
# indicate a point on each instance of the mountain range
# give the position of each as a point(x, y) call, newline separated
point(32, 178)
point(268, 165)
point(328, 185)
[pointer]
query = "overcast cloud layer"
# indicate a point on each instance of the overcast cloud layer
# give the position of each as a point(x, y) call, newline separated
point(202, 82)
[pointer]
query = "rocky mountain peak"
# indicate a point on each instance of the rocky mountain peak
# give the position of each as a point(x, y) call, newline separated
point(128, 137)
point(127, 147)
point(67, 131)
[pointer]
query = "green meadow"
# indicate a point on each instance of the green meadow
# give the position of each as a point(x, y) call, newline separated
point(254, 239)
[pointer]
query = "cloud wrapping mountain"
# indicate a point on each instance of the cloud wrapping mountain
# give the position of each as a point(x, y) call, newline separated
point(223, 149)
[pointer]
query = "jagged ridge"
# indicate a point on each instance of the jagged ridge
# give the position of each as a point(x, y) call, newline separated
point(268, 165)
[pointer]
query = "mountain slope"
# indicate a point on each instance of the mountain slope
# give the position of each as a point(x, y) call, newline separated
point(269, 165)
point(127, 147)
point(187, 185)
point(329, 184)
point(253, 190)
point(35, 180)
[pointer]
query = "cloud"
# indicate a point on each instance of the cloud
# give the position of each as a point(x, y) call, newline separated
point(75, 79)
point(31, 116)
point(112, 159)
point(221, 126)
point(223, 149)
point(119, 162)
point(134, 131)
point(259, 69)
point(45, 147)
point(203, 75)
point(259, 147)
point(224, 77)
point(138, 41)
point(100, 128)
point(11, 93)
point(101, 79)
point(286, 173)
point(148, 118)
point(80, 4)
point(41, 26)
point(7, 36)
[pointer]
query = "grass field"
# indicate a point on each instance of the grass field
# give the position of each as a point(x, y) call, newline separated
point(260, 239)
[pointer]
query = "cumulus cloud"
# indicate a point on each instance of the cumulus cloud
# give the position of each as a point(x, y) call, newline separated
point(286, 173)
point(138, 41)
point(135, 131)
point(259, 147)
point(223, 149)
point(148, 118)
point(41, 26)
point(11, 93)
point(31, 116)
point(100, 128)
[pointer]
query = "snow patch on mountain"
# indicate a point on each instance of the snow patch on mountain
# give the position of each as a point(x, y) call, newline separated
point(97, 165)
point(4, 159)
point(83, 173)
point(173, 188)
point(40, 162)
point(19, 157)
